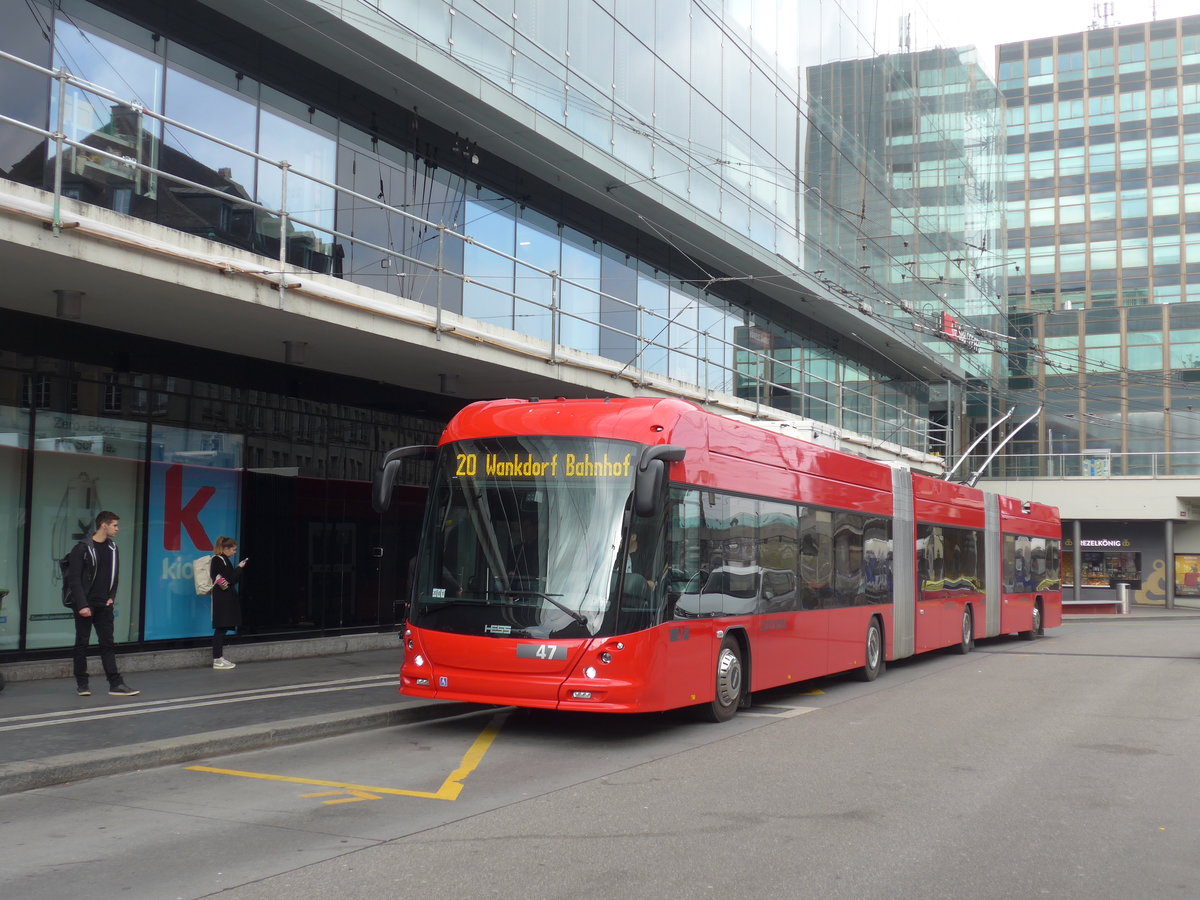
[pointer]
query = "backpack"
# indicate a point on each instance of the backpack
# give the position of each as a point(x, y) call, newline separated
point(63, 565)
point(202, 574)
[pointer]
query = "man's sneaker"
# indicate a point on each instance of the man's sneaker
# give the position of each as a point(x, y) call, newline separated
point(83, 690)
point(122, 690)
point(223, 663)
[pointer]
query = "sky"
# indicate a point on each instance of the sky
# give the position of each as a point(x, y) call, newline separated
point(985, 24)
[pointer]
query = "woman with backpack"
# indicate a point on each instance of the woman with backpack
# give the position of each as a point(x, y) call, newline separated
point(226, 606)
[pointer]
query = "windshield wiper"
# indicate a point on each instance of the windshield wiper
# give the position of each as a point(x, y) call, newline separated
point(549, 598)
point(435, 605)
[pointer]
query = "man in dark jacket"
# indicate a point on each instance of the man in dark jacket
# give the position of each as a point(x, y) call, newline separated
point(92, 569)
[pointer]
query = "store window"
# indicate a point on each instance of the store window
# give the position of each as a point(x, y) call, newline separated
point(81, 466)
point(194, 499)
point(14, 452)
point(1104, 568)
point(1187, 575)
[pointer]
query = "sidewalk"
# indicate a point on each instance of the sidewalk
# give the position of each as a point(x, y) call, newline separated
point(1136, 611)
point(48, 735)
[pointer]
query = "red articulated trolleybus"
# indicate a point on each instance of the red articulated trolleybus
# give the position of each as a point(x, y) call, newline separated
point(633, 555)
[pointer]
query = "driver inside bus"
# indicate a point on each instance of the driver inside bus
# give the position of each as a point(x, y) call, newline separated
point(636, 584)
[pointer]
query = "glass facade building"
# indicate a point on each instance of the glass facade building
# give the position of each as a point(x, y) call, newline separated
point(1104, 239)
point(906, 153)
point(1103, 183)
point(660, 187)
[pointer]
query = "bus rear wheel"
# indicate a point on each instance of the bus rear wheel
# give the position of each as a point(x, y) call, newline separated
point(728, 681)
point(874, 664)
point(1036, 627)
point(967, 639)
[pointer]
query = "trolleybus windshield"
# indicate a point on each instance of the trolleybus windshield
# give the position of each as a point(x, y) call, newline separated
point(522, 536)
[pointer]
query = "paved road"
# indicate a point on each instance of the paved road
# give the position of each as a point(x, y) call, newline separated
point(1062, 768)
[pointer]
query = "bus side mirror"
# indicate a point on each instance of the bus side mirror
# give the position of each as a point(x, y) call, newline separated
point(651, 475)
point(385, 476)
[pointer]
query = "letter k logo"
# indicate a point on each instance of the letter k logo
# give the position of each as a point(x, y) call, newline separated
point(176, 515)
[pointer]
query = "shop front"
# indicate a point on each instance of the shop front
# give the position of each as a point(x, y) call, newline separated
point(183, 462)
point(1106, 562)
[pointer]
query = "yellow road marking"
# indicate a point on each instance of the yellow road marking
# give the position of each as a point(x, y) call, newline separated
point(356, 796)
point(449, 790)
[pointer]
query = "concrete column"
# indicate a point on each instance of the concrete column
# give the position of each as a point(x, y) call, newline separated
point(1077, 558)
point(1169, 544)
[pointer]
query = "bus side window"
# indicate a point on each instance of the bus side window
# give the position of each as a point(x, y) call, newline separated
point(816, 558)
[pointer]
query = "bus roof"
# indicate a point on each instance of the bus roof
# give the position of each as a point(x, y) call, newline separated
point(667, 420)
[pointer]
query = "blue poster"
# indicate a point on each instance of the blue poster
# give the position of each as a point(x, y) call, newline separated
point(190, 507)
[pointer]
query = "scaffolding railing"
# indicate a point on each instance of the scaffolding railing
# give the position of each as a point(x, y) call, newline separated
point(1093, 464)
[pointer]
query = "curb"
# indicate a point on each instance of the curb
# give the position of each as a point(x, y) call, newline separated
point(26, 775)
point(199, 657)
point(1103, 617)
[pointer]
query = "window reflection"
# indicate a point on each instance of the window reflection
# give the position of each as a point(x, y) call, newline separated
point(618, 307)
point(488, 296)
point(538, 246)
point(24, 96)
point(653, 296)
point(226, 116)
point(580, 301)
point(311, 203)
point(123, 131)
point(684, 338)
point(112, 128)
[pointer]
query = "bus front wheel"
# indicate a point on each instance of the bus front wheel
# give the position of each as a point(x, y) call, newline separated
point(873, 665)
point(728, 681)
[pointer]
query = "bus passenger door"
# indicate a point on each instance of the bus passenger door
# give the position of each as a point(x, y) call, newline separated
point(906, 551)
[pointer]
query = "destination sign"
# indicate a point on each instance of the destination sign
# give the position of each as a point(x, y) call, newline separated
point(529, 465)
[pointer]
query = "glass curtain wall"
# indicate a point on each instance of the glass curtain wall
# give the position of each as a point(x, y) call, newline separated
point(519, 264)
point(904, 178)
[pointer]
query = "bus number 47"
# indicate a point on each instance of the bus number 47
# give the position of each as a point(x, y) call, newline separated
point(541, 651)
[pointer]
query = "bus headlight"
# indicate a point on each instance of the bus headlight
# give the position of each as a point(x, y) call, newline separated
point(418, 660)
point(606, 657)
point(589, 672)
